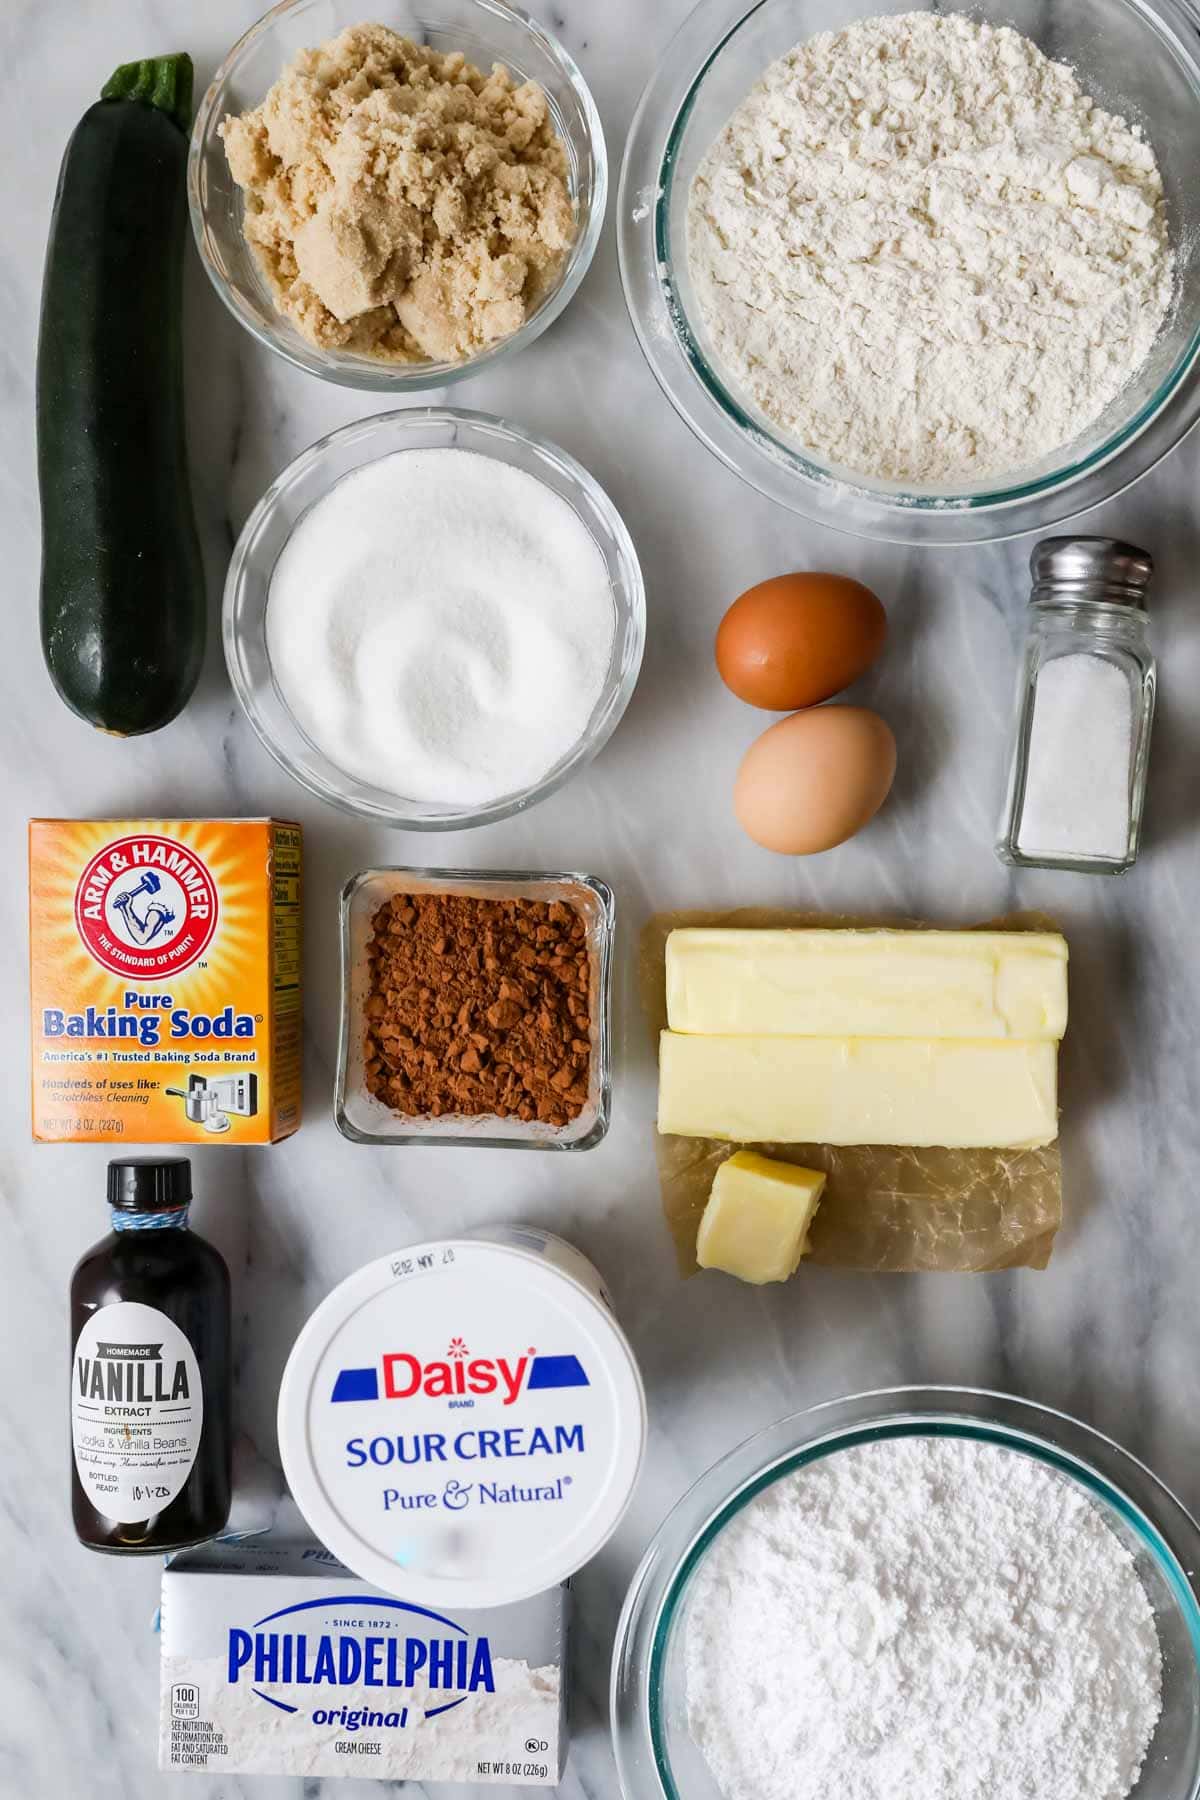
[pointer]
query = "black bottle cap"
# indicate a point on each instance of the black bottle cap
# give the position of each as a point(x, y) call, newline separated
point(149, 1183)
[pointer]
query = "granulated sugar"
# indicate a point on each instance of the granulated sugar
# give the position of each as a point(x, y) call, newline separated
point(922, 1619)
point(440, 625)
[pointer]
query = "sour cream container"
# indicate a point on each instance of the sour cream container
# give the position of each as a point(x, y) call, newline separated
point(462, 1422)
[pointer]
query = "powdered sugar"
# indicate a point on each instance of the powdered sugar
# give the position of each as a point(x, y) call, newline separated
point(925, 253)
point(922, 1619)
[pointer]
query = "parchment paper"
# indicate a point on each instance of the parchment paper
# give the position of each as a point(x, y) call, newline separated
point(883, 1209)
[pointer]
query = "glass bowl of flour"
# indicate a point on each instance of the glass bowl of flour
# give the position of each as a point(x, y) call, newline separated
point(433, 619)
point(918, 275)
point(933, 1591)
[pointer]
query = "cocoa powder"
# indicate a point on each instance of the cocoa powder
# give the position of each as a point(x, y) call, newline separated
point(479, 1007)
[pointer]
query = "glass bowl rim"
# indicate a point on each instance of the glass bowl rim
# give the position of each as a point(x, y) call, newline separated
point(657, 1588)
point(783, 472)
point(531, 880)
point(360, 372)
point(629, 594)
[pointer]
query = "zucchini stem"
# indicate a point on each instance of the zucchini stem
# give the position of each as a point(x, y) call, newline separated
point(161, 81)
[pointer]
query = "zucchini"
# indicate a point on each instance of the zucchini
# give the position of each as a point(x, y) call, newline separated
point(122, 595)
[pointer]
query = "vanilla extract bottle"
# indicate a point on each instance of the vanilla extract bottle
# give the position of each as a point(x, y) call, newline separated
point(151, 1371)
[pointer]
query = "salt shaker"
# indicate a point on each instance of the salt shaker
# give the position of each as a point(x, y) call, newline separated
point(1085, 706)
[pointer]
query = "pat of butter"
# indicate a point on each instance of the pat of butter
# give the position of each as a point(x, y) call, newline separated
point(970, 1093)
point(901, 984)
point(757, 1220)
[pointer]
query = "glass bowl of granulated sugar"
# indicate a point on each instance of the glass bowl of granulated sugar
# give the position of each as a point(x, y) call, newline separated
point(921, 276)
point(939, 1592)
point(434, 619)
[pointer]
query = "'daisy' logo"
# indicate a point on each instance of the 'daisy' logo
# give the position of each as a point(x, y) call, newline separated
point(146, 907)
point(401, 1375)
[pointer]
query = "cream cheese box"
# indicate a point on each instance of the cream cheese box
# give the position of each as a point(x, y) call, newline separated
point(276, 1660)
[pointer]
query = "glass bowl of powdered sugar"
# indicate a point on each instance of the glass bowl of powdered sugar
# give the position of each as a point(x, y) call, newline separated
point(923, 274)
point(434, 619)
point(935, 1592)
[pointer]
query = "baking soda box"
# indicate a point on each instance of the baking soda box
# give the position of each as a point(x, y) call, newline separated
point(165, 981)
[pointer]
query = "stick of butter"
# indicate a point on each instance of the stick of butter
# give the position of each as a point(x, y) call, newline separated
point(903, 984)
point(962, 1093)
point(757, 1220)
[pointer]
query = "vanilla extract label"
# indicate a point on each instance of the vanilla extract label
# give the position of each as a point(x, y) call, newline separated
point(137, 1409)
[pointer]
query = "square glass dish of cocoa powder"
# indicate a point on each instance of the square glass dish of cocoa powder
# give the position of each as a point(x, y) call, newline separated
point(475, 1009)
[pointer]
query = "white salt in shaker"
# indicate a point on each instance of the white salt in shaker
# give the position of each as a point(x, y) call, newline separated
point(1085, 705)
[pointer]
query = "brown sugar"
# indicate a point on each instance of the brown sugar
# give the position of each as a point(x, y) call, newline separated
point(479, 1007)
point(401, 202)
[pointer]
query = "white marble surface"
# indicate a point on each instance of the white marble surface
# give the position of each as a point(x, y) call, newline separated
point(1110, 1331)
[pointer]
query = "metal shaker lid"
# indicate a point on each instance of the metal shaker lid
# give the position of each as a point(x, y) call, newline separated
point(1091, 568)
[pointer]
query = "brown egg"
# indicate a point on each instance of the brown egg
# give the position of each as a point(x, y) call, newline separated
point(798, 639)
point(813, 780)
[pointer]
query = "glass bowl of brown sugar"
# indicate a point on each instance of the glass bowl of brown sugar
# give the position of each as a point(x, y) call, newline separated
point(475, 1009)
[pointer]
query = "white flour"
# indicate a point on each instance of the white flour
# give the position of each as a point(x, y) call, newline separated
point(922, 1619)
point(924, 251)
